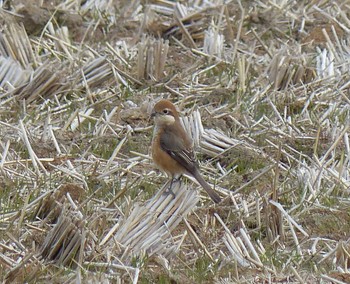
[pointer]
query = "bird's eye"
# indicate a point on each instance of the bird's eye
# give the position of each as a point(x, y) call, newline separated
point(166, 111)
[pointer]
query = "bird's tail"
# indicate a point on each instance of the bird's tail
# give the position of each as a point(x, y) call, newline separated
point(213, 195)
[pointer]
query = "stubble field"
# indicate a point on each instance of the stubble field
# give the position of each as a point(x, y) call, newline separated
point(263, 87)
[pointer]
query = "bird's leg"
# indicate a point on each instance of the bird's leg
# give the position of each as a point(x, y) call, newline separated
point(172, 181)
point(169, 189)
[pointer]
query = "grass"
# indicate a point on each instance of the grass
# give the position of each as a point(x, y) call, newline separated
point(80, 200)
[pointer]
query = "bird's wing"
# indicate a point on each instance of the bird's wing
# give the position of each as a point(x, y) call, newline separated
point(176, 147)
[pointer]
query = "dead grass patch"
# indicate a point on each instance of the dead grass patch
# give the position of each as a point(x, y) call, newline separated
point(263, 89)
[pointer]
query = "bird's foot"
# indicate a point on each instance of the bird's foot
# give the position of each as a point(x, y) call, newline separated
point(169, 189)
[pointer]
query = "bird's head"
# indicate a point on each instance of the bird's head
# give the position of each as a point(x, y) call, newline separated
point(164, 113)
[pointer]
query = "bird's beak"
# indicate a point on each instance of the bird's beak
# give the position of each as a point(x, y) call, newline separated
point(153, 114)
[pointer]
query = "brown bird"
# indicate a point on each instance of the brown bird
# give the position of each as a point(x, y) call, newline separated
point(172, 149)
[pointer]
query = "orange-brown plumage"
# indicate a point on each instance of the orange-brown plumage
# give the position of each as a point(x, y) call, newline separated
point(172, 148)
point(165, 162)
point(165, 104)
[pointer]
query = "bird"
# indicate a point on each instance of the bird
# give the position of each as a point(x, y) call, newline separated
point(172, 148)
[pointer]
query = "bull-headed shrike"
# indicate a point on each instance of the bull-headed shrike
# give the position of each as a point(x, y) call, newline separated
point(172, 149)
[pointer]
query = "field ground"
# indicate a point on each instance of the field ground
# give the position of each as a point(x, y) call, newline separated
point(263, 86)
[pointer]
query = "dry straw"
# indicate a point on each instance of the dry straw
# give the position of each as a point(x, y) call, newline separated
point(263, 88)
